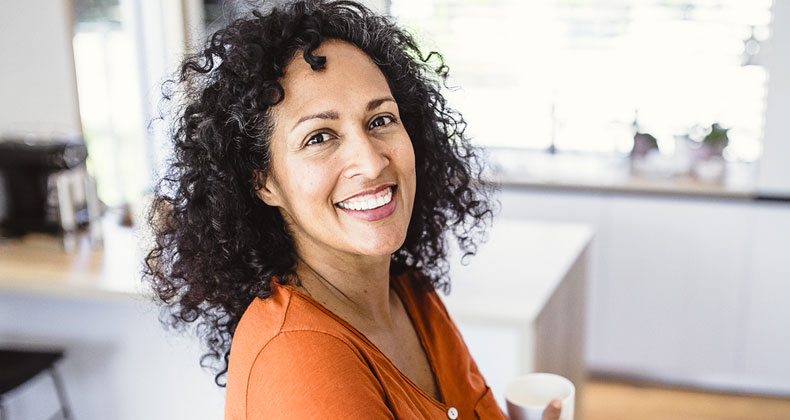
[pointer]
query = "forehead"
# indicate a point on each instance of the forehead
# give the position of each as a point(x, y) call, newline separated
point(349, 77)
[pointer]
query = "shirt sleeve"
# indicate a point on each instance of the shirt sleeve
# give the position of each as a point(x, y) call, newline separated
point(313, 375)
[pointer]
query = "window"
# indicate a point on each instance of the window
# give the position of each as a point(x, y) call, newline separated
point(109, 96)
point(575, 75)
point(123, 51)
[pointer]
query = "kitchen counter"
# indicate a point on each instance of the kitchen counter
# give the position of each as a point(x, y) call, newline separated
point(594, 173)
point(529, 260)
point(38, 263)
point(520, 303)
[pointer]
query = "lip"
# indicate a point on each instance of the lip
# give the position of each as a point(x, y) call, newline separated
point(374, 214)
point(366, 192)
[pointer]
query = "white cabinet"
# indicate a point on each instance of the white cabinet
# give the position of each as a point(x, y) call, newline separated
point(691, 291)
point(675, 282)
point(766, 339)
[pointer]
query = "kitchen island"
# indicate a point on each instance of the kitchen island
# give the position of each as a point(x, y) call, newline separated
point(519, 305)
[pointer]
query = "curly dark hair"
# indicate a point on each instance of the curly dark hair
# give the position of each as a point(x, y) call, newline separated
point(217, 245)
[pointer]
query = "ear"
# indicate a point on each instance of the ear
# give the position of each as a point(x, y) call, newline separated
point(268, 190)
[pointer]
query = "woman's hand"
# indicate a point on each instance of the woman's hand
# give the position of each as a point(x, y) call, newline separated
point(552, 411)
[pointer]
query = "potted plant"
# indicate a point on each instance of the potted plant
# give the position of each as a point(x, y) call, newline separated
point(714, 142)
point(708, 161)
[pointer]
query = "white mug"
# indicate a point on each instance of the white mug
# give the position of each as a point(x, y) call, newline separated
point(527, 396)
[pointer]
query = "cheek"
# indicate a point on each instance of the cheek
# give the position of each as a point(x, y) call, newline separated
point(311, 185)
point(406, 157)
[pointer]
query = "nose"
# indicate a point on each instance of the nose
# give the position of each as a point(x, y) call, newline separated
point(366, 156)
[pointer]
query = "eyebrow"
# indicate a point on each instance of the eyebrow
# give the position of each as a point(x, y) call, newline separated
point(333, 115)
point(377, 102)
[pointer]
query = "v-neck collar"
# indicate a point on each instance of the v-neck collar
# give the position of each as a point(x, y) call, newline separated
point(396, 282)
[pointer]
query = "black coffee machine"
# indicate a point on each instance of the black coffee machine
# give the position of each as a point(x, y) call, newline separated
point(46, 188)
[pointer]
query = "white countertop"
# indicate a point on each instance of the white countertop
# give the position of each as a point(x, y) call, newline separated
point(518, 267)
point(516, 271)
point(587, 172)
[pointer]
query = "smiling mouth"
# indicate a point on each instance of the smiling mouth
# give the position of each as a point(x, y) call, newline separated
point(369, 201)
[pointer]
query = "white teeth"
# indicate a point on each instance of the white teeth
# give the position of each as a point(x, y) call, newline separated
point(368, 202)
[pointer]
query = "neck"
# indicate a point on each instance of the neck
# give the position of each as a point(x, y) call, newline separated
point(355, 288)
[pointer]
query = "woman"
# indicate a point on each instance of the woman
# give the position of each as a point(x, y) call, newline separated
point(316, 171)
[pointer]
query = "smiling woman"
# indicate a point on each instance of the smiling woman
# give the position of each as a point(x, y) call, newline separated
point(316, 173)
point(341, 126)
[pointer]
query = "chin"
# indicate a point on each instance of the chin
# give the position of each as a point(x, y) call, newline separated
point(381, 248)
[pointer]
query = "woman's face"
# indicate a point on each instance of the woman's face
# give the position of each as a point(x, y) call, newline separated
point(342, 169)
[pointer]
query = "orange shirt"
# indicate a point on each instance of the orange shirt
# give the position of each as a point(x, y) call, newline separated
point(291, 358)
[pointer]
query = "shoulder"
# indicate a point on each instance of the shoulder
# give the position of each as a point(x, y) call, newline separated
point(267, 319)
point(308, 374)
point(285, 310)
point(288, 359)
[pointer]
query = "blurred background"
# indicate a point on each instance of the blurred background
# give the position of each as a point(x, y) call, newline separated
point(639, 146)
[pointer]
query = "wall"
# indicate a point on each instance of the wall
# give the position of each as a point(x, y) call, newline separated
point(39, 91)
point(774, 177)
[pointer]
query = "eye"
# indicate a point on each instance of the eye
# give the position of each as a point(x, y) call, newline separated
point(381, 120)
point(317, 138)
